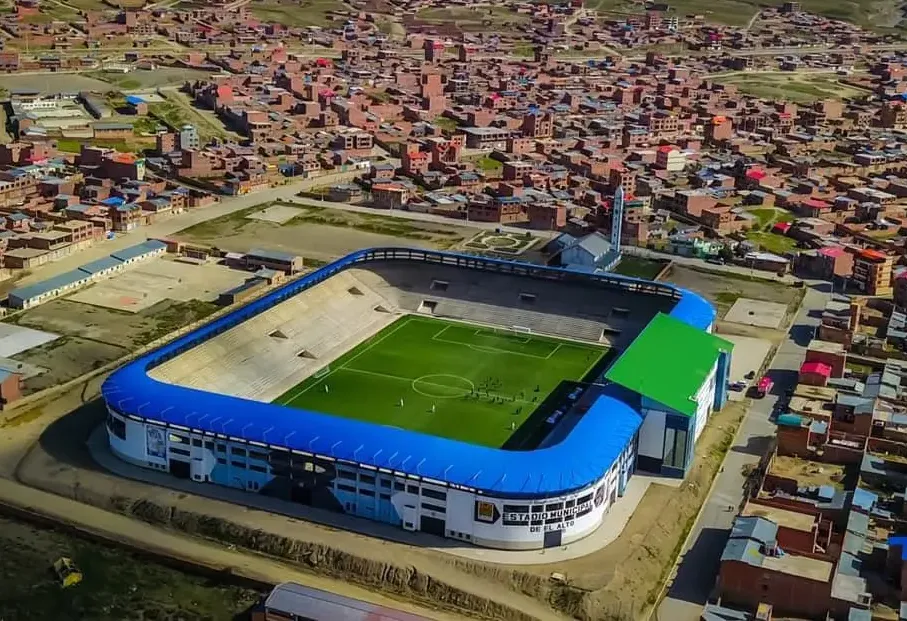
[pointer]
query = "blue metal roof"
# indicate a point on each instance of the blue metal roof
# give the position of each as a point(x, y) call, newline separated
point(138, 250)
point(580, 459)
point(100, 265)
point(57, 282)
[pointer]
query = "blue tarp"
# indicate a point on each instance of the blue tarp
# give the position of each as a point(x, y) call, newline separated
point(583, 457)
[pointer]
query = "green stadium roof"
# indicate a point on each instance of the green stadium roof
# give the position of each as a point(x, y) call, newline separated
point(668, 362)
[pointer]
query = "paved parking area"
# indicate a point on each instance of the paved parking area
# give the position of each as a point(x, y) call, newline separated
point(749, 353)
point(160, 279)
point(757, 313)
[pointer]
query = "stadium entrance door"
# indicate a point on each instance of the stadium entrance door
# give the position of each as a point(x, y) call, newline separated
point(432, 526)
point(179, 469)
point(553, 538)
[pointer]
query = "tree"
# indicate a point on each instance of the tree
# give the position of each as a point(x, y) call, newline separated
point(725, 253)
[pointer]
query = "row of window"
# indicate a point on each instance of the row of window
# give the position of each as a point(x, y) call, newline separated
point(399, 486)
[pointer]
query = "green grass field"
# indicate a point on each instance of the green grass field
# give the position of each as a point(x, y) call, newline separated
point(483, 383)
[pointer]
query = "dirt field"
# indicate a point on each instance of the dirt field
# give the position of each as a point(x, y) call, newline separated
point(54, 83)
point(797, 87)
point(722, 290)
point(94, 336)
point(322, 233)
point(163, 76)
point(116, 585)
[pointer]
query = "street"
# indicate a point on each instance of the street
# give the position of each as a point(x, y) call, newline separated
point(700, 557)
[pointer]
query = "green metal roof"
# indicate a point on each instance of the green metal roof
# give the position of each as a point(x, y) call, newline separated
point(668, 362)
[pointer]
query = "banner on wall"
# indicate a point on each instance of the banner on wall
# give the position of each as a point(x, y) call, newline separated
point(155, 443)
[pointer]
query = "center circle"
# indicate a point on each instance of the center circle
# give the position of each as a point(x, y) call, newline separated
point(443, 386)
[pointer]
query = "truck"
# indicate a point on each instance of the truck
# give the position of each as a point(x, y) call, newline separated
point(764, 386)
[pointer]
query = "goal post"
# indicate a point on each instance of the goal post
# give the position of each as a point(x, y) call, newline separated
point(322, 372)
point(521, 329)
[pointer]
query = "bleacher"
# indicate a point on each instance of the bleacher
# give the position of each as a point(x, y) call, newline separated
point(263, 357)
point(267, 355)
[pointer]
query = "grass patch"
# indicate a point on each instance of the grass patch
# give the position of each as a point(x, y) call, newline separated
point(175, 316)
point(639, 267)
point(458, 381)
point(305, 13)
point(445, 123)
point(74, 145)
point(488, 164)
point(791, 86)
point(117, 585)
point(772, 242)
point(477, 19)
point(767, 216)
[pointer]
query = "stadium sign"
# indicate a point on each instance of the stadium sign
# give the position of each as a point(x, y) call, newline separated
point(512, 518)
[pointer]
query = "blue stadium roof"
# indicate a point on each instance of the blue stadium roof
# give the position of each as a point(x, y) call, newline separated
point(580, 459)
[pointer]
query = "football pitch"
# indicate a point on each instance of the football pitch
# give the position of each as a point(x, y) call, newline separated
point(466, 382)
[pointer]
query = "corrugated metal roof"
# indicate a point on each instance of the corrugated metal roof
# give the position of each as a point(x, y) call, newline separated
point(101, 265)
point(308, 603)
point(45, 286)
point(276, 255)
point(582, 458)
point(139, 250)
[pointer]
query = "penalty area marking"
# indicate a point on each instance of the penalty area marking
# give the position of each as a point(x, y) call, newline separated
point(466, 386)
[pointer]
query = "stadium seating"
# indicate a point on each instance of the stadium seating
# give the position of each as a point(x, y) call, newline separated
point(267, 355)
point(553, 308)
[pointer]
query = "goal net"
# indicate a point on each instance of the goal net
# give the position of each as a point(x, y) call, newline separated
point(322, 372)
point(521, 329)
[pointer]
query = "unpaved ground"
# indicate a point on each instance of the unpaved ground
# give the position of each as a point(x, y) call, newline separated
point(93, 336)
point(116, 585)
point(722, 290)
point(322, 233)
point(51, 83)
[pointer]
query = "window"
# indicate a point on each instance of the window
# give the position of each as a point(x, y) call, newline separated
point(196, 442)
point(346, 488)
point(412, 489)
point(239, 452)
point(584, 499)
point(346, 474)
point(238, 464)
point(179, 451)
point(175, 439)
point(384, 497)
point(537, 508)
point(385, 483)
point(570, 503)
point(399, 487)
point(116, 426)
point(222, 461)
point(432, 507)
point(535, 523)
point(209, 446)
point(222, 447)
point(258, 455)
point(553, 520)
point(367, 492)
point(516, 508)
point(255, 468)
point(553, 506)
point(430, 493)
point(367, 479)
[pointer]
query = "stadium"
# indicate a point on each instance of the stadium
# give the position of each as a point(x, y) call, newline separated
point(494, 402)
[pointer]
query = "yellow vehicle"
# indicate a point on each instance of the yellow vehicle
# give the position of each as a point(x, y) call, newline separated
point(67, 572)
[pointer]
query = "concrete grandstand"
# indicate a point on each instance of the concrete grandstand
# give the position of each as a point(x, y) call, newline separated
point(202, 406)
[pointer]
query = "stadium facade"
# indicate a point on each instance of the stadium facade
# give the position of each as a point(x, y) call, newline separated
point(645, 411)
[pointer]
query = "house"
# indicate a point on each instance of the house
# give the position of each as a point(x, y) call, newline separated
point(592, 252)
